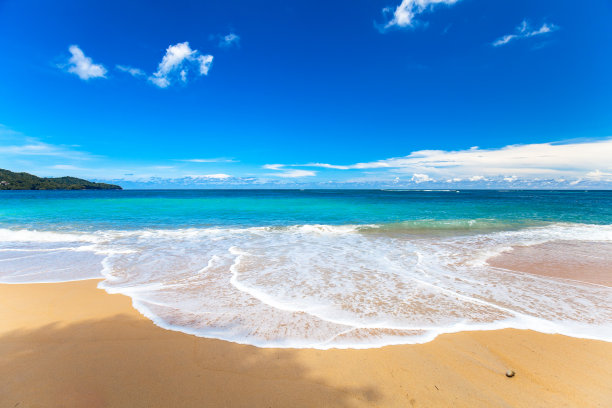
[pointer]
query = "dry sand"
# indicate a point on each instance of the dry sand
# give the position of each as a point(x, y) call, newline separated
point(73, 345)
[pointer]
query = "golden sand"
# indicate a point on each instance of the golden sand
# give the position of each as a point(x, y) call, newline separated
point(73, 345)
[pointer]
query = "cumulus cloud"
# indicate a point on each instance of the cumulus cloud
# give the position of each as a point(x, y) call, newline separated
point(420, 178)
point(83, 66)
point(135, 72)
point(524, 30)
point(229, 40)
point(178, 62)
point(405, 14)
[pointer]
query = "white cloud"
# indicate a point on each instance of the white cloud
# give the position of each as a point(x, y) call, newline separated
point(599, 175)
point(296, 173)
point(273, 166)
point(178, 61)
point(205, 63)
point(226, 41)
point(214, 160)
point(135, 72)
point(65, 167)
point(282, 172)
point(83, 66)
point(219, 176)
point(524, 30)
point(404, 15)
point(32, 147)
point(568, 160)
point(420, 178)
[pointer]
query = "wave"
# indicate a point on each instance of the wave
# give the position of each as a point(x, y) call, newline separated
point(323, 286)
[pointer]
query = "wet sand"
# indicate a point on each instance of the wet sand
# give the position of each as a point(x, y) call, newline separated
point(589, 262)
point(73, 345)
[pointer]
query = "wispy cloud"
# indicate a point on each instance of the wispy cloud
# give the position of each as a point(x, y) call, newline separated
point(31, 147)
point(178, 62)
point(405, 14)
point(19, 152)
point(599, 175)
point(135, 72)
point(577, 159)
point(219, 176)
point(83, 66)
point(524, 30)
point(229, 40)
point(288, 173)
point(213, 160)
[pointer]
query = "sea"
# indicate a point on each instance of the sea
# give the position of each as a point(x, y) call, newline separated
point(317, 268)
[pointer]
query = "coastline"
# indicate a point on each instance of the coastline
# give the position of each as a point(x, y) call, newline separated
point(71, 344)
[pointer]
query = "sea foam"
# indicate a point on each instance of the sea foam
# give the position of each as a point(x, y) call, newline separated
point(320, 286)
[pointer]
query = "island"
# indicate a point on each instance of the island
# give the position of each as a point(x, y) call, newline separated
point(24, 181)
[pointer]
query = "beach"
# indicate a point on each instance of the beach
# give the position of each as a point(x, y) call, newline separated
point(73, 345)
point(305, 299)
point(403, 203)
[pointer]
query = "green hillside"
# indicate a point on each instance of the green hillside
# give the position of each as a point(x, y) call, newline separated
point(25, 181)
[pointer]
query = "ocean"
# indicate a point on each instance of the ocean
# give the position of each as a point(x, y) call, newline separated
point(316, 268)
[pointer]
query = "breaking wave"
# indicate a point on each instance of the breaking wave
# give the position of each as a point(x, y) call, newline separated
point(323, 286)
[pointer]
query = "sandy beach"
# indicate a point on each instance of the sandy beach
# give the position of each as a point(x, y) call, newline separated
point(580, 261)
point(73, 345)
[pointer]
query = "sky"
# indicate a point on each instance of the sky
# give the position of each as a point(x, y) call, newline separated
point(317, 94)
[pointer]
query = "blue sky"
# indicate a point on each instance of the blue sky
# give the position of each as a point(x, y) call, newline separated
point(365, 93)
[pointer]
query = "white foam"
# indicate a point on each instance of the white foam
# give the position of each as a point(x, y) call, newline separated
point(318, 286)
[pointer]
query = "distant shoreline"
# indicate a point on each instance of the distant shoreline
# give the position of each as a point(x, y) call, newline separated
point(325, 189)
point(11, 181)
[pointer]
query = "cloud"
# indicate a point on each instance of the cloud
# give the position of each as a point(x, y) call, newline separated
point(282, 172)
point(599, 175)
point(568, 160)
point(296, 173)
point(31, 147)
point(219, 176)
point(273, 166)
point(83, 66)
point(19, 152)
point(229, 40)
point(135, 72)
point(65, 167)
point(205, 63)
point(214, 160)
point(524, 30)
point(405, 14)
point(420, 178)
point(178, 62)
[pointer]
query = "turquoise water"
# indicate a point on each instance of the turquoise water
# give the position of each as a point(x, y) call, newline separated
point(319, 268)
point(91, 210)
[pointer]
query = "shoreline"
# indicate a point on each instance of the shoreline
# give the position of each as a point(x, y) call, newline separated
point(101, 352)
